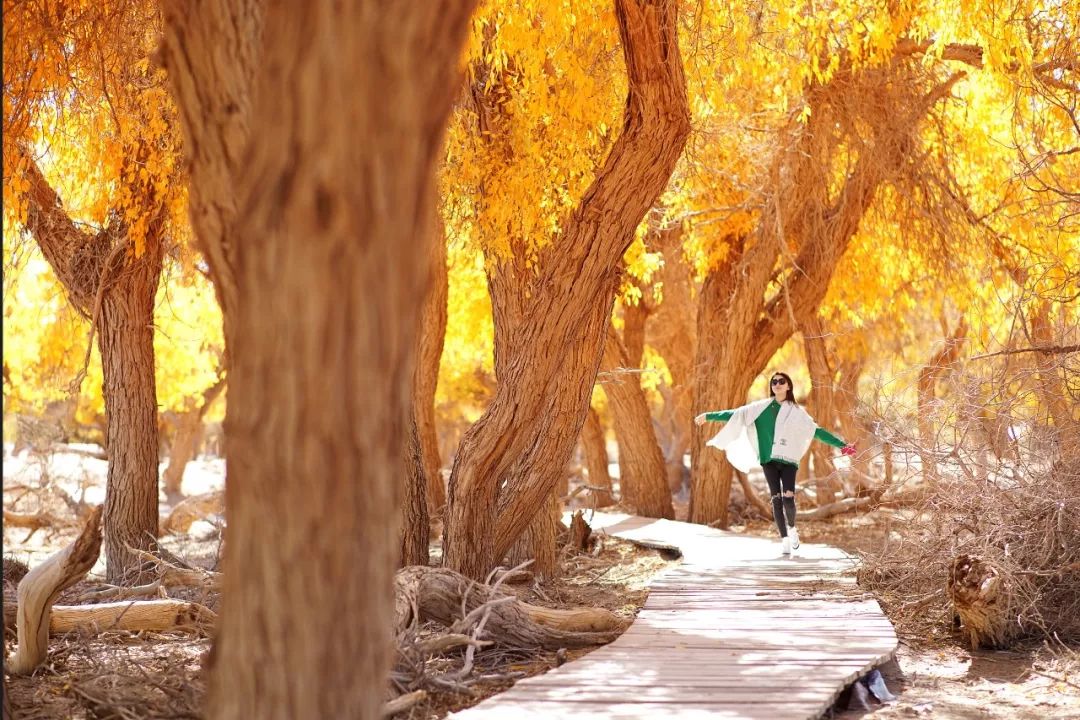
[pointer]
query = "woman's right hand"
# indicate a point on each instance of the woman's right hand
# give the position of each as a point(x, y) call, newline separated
point(700, 419)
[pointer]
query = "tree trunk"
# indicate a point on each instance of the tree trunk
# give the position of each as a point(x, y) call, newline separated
point(415, 523)
point(526, 435)
point(310, 271)
point(596, 460)
point(189, 435)
point(642, 473)
point(538, 542)
point(724, 375)
point(429, 356)
point(114, 287)
point(126, 343)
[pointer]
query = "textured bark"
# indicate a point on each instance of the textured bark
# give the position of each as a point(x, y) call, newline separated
point(426, 377)
point(126, 343)
point(189, 434)
point(537, 543)
point(114, 288)
point(529, 429)
point(596, 460)
point(642, 472)
point(321, 321)
point(415, 522)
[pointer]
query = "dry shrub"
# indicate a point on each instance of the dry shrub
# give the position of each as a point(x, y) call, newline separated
point(994, 549)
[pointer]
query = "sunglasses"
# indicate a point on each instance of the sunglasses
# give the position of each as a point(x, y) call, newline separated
point(778, 381)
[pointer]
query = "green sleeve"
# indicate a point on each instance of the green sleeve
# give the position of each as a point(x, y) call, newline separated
point(719, 416)
point(828, 438)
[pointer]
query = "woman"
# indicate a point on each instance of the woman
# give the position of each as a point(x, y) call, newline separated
point(776, 433)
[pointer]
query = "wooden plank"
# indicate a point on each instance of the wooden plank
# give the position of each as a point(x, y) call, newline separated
point(734, 632)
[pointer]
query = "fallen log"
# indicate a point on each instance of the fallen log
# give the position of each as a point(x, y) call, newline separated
point(194, 508)
point(40, 587)
point(440, 594)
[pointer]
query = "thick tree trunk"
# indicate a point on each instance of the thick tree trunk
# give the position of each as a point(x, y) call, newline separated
point(726, 314)
point(415, 529)
point(189, 433)
point(642, 473)
point(525, 436)
point(126, 343)
point(596, 459)
point(309, 271)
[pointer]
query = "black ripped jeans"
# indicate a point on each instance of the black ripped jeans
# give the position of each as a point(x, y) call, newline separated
point(781, 476)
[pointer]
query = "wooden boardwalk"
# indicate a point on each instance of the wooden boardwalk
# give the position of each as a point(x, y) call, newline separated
point(735, 631)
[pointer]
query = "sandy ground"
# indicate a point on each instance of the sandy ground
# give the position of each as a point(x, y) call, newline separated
point(159, 676)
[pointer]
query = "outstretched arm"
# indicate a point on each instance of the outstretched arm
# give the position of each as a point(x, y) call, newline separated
point(717, 416)
point(829, 439)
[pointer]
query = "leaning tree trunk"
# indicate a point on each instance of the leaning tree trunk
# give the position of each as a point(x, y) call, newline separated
point(596, 460)
point(642, 473)
point(320, 381)
point(525, 436)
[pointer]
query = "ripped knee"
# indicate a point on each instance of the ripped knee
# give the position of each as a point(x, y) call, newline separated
point(775, 497)
point(788, 494)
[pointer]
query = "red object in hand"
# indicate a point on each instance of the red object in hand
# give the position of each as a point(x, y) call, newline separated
point(847, 450)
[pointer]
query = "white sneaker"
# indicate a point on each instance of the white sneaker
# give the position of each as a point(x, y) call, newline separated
point(793, 535)
point(786, 546)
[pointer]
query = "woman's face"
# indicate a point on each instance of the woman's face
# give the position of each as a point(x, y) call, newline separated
point(779, 387)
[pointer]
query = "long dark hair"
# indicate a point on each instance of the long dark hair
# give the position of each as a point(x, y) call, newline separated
point(790, 386)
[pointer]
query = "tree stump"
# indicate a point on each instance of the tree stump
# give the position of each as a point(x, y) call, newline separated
point(981, 598)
